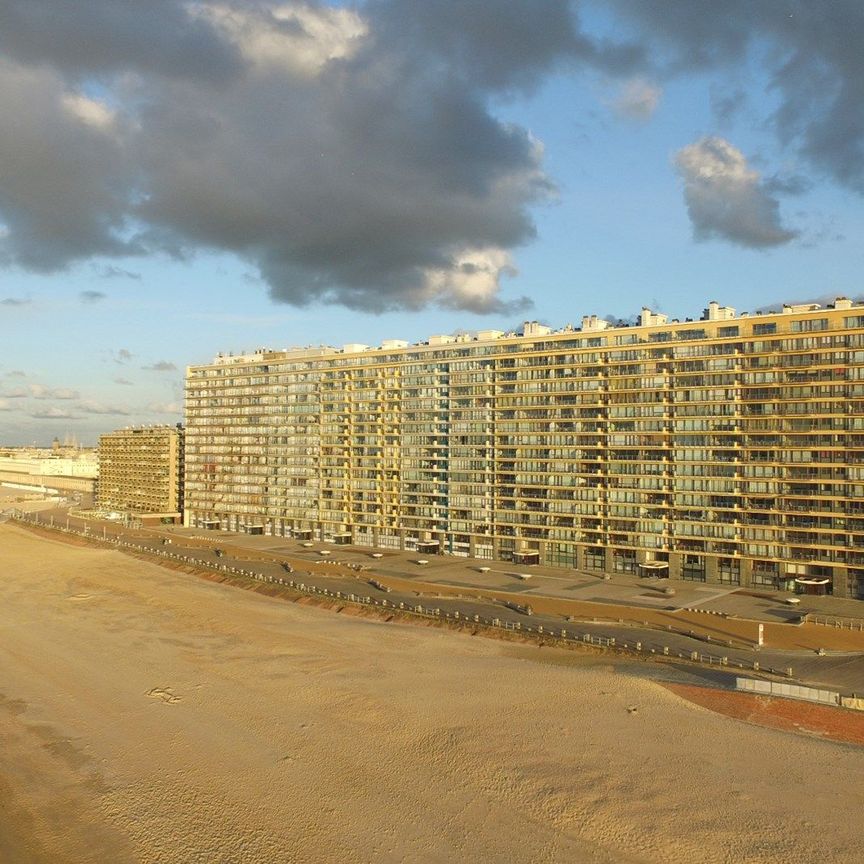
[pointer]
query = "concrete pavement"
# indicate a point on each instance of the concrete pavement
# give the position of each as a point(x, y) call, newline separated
point(623, 607)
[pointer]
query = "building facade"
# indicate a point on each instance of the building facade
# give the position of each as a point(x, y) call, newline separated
point(38, 470)
point(141, 470)
point(728, 449)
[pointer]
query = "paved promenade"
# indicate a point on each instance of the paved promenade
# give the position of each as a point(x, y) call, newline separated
point(715, 619)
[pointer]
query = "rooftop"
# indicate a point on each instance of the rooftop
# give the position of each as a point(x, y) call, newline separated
point(590, 324)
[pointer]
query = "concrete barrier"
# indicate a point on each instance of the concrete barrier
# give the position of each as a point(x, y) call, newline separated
point(787, 691)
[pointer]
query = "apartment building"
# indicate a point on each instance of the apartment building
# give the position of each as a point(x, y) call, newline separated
point(55, 470)
point(728, 449)
point(141, 471)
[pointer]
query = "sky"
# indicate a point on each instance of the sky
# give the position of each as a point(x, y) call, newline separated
point(179, 179)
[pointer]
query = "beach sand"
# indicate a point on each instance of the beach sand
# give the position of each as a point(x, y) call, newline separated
point(149, 716)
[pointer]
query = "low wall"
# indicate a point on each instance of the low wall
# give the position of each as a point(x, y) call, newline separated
point(553, 635)
point(787, 691)
point(35, 482)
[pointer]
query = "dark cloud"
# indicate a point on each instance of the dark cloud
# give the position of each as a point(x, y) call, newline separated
point(110, 271)
point(726, 103)
point(493, 44)
point(618, 321)
point(65, 187)
point(726, 199)
point(125, 382)
point(349, 154)
point(91, 38)
point(122, 356)
point(373, 182)
point(92, 296)
point(160, 366)
point(823, 230)
point(787, 184)
point(16, 373)
point(14, 301)
point(814, 56)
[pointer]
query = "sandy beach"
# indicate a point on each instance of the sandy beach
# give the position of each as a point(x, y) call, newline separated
point(148, 716)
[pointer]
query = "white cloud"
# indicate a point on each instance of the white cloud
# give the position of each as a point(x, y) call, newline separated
point(53, 413)
point(296, 38)
point(89, 111)
point(89, 406)
point(471, 280)
point(38, 391)
point(165, 408)
point(726, 199)
point(638, 99)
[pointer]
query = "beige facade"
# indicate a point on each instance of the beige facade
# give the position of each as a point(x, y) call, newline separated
point(728, 449)
point(52, 467)
point(141, 470)
point(49, 470)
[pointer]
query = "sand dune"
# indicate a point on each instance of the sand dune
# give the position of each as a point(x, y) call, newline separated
point(147, 716)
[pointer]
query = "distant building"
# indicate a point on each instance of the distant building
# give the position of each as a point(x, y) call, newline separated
point(52, 471)
point(141, 471)
point(728, 450)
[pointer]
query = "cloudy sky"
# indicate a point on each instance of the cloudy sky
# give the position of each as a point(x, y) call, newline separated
point(183, 178)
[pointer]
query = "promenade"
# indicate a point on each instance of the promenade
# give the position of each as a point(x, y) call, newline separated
point(719, 622)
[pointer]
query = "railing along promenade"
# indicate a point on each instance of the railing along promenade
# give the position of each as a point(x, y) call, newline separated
point(547, 634)
point(564, 637)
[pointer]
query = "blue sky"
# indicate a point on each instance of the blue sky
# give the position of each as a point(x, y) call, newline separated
point(295, 174)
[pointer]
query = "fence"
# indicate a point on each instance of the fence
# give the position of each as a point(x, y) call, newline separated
point(836, 621)
point(555, 634)
point(787, 691)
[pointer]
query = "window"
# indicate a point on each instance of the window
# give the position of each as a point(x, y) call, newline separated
point(693, 568)
point(765, 573)
point(729, 571)
point(595, 558)
point(560, 555)
point(809, 325)
point(624, 561)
